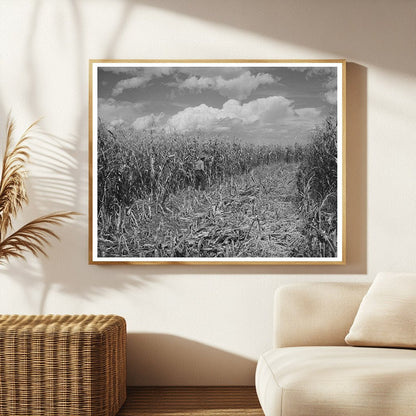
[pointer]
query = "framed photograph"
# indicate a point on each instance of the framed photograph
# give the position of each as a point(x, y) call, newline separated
point(217, 162)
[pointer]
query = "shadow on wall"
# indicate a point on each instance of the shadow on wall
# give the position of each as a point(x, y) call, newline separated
point(60, 182)
point(161, 359)
point(337, 27)
point(54, 187)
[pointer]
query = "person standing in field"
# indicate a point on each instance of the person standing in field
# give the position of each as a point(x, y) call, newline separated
point(200, 174)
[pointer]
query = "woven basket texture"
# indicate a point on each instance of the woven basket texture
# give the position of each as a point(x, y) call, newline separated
point(56, 365)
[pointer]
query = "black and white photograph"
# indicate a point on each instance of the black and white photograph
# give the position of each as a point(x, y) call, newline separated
point(217, 162)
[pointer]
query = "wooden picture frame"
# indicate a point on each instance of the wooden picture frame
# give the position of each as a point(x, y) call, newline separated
point(217, 162)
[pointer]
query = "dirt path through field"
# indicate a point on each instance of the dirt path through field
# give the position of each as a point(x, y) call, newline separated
point(250, 215)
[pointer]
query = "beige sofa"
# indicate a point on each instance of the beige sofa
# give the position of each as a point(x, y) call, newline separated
point(312, 371)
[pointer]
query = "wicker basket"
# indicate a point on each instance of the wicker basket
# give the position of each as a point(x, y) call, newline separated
point(72, 365)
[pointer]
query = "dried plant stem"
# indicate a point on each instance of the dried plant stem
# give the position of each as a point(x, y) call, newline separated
point(32, 237)
point(35, 235)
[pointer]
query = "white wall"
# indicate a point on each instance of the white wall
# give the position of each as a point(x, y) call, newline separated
point(189, 324)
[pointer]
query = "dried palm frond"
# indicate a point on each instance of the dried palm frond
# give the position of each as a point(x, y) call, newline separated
point(32, 237)
point(12, 183)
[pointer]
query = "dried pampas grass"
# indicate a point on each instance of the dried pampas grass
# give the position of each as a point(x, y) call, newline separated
point(34, 236)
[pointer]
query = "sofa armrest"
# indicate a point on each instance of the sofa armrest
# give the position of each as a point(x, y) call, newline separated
point(309, 314)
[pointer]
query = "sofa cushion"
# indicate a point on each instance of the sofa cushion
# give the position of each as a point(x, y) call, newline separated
point(315, 314)
point(387, 314)
point(341, 381)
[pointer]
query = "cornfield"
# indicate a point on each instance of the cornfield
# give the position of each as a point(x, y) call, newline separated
point(317, 193)
point(258, 200)
point(149, 206)
point(133, 166)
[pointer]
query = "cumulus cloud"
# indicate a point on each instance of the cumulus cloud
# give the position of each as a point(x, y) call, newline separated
point(142, 78)
point(265, 110)
point(129, 83)
point(260, 120)
point(238, 88)
point(230, 82)
point(331, 96)
point(269, 113)
point(148, 121)
point(201, 117)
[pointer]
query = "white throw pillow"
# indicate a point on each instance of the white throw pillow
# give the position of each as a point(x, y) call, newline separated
point(387, 314)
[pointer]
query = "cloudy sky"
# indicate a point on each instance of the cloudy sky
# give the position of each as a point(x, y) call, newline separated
point(256, 104)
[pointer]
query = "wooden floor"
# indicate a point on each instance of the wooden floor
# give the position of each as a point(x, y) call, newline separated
point(187, 401)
